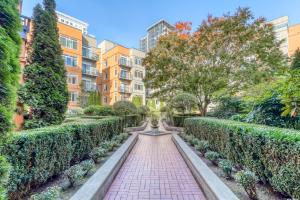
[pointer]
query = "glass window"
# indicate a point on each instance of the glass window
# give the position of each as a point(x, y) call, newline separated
point(68, 42)
point(72, 79)
point(138, 87)
point(70, 60)
point(73, 96)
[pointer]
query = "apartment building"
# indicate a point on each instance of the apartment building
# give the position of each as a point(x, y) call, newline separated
point(80, 54)
point(156, 30)
point(122, 73)
point(289, 34)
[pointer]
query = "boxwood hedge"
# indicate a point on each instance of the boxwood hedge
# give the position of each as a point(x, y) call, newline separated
point(40, 154)
point(272, 153)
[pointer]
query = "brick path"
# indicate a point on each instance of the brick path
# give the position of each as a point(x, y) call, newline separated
point(154, 170)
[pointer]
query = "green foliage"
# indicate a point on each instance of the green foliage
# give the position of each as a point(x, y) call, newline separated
point(94, 98)
point(267, 151)
point(98, 110)
point(202, 146)
point(195, 141)
point(52, 193)
point(4, 174)
point(248, 180)
point(87, 166)
point(269, 111)
point(143, 111)
point(212, 156)
point(290, 89)
point(124, 108)
point(74, 174)
point(229, 53)
point(226, 166)
point(137, 101)
point(178, 120)
point(228, 106)
point(39, 154)
point(9, 62)
point(184, 102)
point(45, 86)
point(98, 153)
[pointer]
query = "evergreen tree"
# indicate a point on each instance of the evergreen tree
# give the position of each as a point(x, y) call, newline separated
point(296, 60)
point(9, 61)
point(45, 88)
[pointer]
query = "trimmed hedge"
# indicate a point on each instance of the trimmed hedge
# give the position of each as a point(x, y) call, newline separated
point(272, 153)
point(132, 120)
point(179, 119)
point(40, 154)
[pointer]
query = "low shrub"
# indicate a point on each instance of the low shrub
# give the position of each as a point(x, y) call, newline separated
point(99, 110)
point(195, 141)
point(98, 154)
point(226, 166)
point(52, 193)
point(4, 174)
point(108, 145)
point(38, 155)
point(213, 157)
point(273, 154)
point(74, 174)
point(87, 166)
point(189, 138)
point(132, 120)
point(202, 146)
point(248, 180)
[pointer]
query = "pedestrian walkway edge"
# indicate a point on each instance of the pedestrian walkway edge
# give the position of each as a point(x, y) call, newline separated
point(97, 186)
point(212, 186)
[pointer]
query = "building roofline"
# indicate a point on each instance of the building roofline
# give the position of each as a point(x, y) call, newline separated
point(278, 18)
point(73, 18)
point(161, 20)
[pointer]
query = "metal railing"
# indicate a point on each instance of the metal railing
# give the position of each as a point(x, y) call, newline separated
point(90, 71)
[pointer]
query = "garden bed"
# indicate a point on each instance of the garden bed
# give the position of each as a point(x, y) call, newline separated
point(263, 192)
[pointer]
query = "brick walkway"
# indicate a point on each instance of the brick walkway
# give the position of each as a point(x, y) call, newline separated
point(154, 170)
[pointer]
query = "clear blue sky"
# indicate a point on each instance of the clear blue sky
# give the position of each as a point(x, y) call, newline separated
point(125, 21)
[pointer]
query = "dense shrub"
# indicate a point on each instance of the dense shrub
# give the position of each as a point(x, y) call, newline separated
point(213, 157)
point(74, 174)
point(248, 180)
point(226, 166)
point(273, 154)
point(143, 111)
point(97, 154)
point(202, 146)
point(124, 108)
point(132, 120)
point(87, 166)
point(4, 174)
point(40, 154)
point(51, 193)
point(178, 120)
point(98, 110)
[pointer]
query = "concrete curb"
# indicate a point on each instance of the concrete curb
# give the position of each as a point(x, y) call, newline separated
point(138, 128)
point(97, 186)
point(212, 186)
point(172, 128)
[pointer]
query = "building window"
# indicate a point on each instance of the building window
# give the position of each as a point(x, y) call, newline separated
point(116, 84)
point(105, 87)
point(72, 79)
point(105, 76)
point(123, 61)
point(105, 99)
point(116, 99)
point(70, 60)
point(116, 72)
point(68, 42)
point(138, 87)
point(138, 74)
point(138, 61)
point(73, 96)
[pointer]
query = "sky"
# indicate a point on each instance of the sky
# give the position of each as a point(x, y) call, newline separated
point(126, 21)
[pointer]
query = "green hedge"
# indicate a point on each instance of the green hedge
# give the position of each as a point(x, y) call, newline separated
point(272, 153)
point(132, 120)
point(178, 120)
point(40, 154)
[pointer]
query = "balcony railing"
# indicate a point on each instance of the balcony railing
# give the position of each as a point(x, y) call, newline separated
point(125, 62)
point(90, 87)
point(125, 89)
point(92, 71)
point(89, 54)
point(125, 76)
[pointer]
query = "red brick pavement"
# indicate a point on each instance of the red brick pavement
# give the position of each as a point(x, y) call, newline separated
point(154, 170)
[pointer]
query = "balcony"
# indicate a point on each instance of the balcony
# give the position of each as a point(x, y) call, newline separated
point(125, 76)
point(89, 54)
point(125, 62)
point(92, 71)
point(90, 87)
point(125, 89)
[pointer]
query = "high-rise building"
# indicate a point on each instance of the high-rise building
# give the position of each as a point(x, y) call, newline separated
point(122, 73)
point(153, 33)
point(281, 26)
point(294, 39)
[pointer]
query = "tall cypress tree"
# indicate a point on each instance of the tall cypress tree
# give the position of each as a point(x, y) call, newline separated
point(45, 89)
